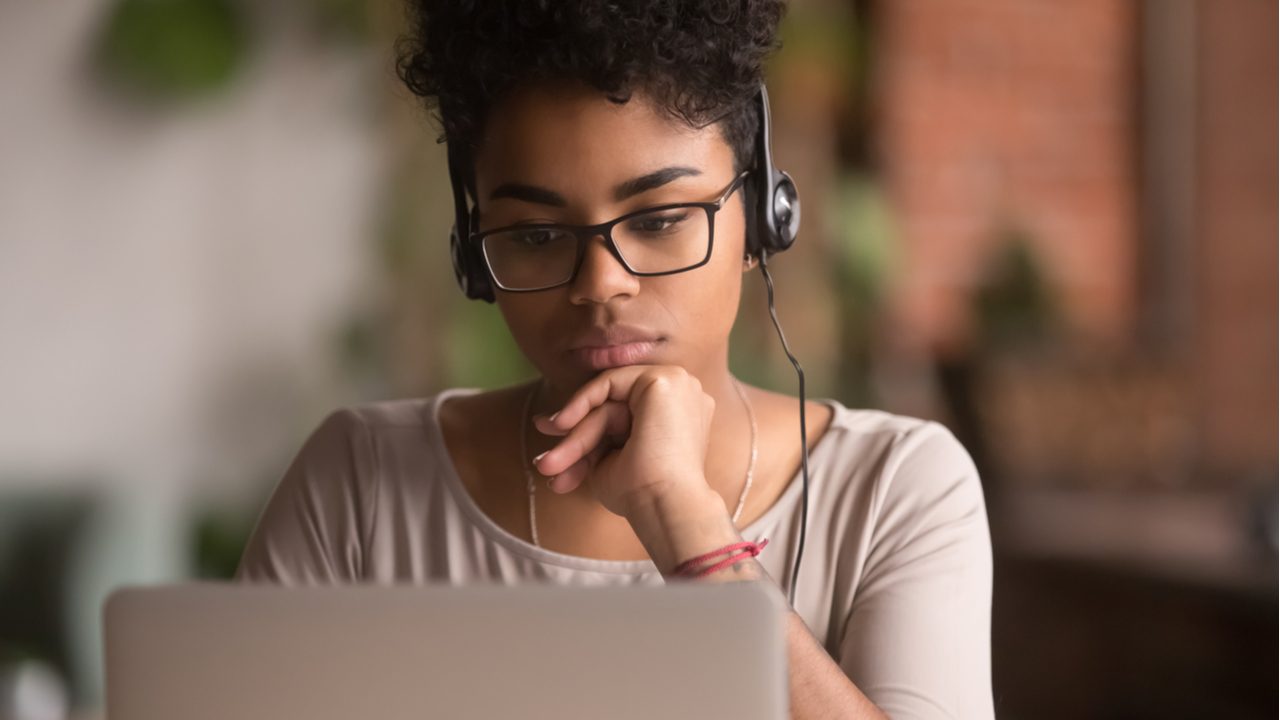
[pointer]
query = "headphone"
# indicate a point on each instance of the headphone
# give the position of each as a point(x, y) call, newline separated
point(469, 267)
point(773, 225)
point(773, 212)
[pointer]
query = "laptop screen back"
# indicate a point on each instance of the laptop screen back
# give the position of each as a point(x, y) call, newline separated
point(220, 651)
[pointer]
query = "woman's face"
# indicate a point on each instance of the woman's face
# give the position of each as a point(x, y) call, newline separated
point(565, 154)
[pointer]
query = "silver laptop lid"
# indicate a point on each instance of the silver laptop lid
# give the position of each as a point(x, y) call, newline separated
point(224, 651)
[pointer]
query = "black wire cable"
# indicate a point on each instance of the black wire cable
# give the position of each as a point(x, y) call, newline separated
point(804, 436)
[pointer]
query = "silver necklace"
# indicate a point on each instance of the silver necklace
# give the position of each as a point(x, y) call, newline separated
point(751, 468)
point(531, 485)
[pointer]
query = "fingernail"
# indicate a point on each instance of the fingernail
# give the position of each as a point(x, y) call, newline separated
point(536, 459)
point(553, 416)
point(549, 481)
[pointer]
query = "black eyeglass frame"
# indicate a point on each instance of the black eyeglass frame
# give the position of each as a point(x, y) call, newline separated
point(584, 234)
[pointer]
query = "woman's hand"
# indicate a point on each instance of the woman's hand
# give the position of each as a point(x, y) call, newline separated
point(637, 434)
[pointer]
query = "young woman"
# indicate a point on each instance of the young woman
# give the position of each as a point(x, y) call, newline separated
point(609, 148)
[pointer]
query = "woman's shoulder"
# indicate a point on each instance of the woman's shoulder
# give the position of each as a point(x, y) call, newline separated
point(399, 413)
point(452, 412)
point(895, 456)
point(892, 432)
point(448, 430)
point(364, 444)
point(901, 487)
point(846, 424)
point(359, 459)
point(869, 421)
point(469, 413)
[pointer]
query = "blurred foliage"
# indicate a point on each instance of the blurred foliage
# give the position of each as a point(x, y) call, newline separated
point(342, 20)
point(363, 354)
point(1014, 306)
point(823, 36)
point(174, 48)
point(481, 351)
point(186, 48)
point(860, 224)
point(37, 536)
point(221, 535)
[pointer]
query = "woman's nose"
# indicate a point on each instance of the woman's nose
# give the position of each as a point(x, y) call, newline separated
point(601, 277)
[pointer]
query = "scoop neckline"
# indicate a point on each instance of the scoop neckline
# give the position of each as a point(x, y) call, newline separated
point(785, 502)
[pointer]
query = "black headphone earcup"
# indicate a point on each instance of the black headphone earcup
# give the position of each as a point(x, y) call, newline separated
point(469, 269)
point(785, 212)
point(459, 260)
point(774, 220)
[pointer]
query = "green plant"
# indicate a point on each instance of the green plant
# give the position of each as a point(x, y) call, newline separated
point(221, 535)
point(174, 47)
point(1014, 307)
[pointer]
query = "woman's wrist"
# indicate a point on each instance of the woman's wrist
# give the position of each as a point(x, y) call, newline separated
point(681, 523)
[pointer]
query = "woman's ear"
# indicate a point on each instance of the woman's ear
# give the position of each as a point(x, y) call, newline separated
point(749, 262)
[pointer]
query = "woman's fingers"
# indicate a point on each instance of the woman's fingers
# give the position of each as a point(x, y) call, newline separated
point(570, 479)
point(610, 418)
point(651, 419)
point(610, 385)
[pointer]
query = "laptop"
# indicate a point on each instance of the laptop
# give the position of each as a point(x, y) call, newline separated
point(227, 651)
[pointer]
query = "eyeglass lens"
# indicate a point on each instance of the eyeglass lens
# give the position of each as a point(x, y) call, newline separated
point(662, 241)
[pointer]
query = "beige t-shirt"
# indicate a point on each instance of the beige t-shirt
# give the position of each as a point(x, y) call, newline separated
point(895, 580)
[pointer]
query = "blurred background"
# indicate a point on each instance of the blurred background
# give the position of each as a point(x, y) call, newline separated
point(1049, 224)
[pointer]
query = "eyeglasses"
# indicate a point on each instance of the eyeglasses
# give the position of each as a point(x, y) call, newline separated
point(662, 240)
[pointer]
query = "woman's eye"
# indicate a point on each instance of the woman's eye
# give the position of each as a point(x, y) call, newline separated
point(535, 238)
point(652, 224)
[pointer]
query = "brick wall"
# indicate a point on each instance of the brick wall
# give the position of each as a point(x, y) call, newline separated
point(1009, 115)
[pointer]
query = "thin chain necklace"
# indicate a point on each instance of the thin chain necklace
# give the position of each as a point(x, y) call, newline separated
point(751, 467)
point(531, 485)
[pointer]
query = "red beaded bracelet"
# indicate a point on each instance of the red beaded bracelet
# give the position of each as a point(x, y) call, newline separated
point(736, 552)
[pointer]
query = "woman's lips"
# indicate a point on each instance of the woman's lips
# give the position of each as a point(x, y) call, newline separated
point(611, 356)
point(610, 346)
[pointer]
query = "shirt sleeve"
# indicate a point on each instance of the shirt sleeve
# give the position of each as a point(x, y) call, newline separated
point(918, 638)
point(314, 529)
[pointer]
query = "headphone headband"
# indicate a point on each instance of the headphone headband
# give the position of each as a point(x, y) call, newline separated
point(777, 201)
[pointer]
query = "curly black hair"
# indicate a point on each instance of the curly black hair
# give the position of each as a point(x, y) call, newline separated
point(697, 60)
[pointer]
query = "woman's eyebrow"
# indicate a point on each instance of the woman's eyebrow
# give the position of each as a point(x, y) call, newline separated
point(529, 194)
point(628, 189)
point(655, 179)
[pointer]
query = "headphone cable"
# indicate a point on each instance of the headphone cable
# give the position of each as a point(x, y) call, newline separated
point(804, 441)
